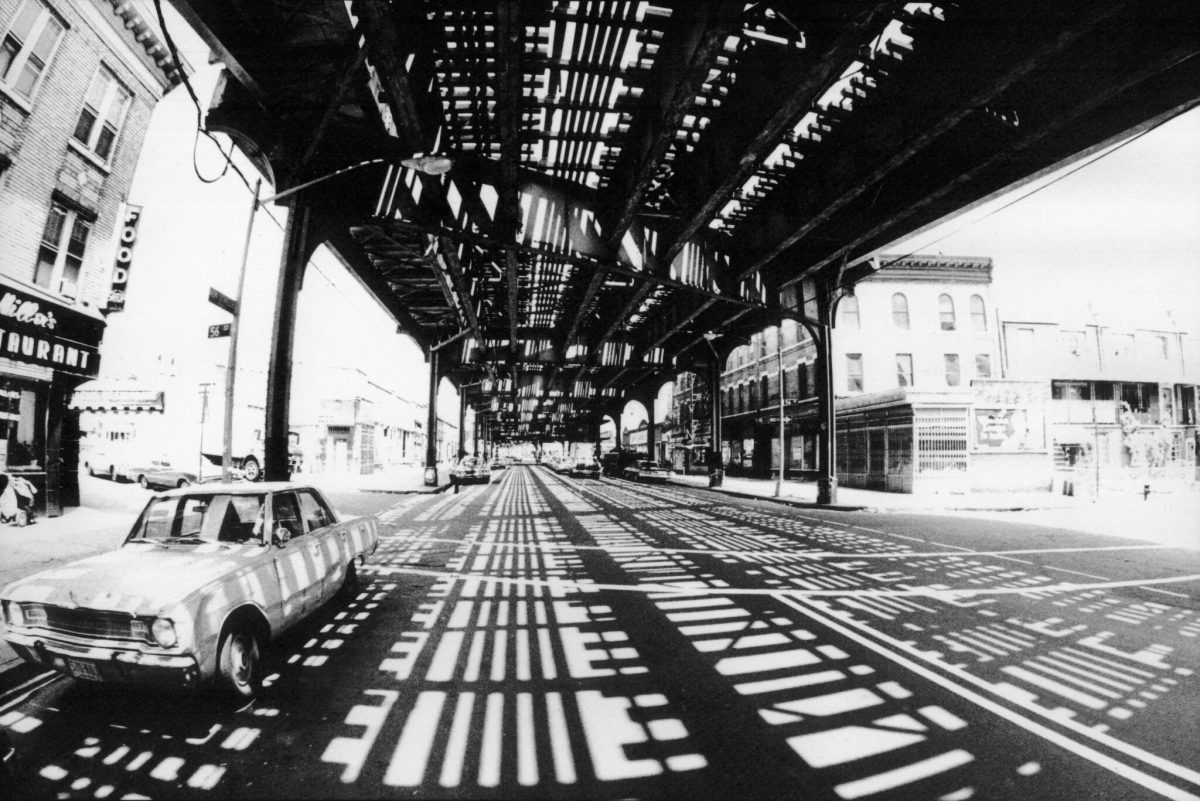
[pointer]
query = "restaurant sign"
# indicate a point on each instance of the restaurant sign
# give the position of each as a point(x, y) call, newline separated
point(37, 331)
point(126, 237)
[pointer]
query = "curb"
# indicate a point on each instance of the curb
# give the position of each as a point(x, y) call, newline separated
point(439, 489)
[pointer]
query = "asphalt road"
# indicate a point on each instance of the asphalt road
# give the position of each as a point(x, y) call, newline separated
point(542, 637)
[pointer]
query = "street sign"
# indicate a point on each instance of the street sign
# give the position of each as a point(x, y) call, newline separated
point(222, 301)
point(219, 330)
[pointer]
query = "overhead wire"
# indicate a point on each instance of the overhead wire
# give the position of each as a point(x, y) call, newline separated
point(228, 156)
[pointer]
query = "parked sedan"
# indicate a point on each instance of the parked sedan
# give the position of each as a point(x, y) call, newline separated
point(585, 468)
point(207, 577)
point(646, 470)
point(470, 470)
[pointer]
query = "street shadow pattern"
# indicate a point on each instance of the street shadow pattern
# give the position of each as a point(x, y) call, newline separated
point(519, 643)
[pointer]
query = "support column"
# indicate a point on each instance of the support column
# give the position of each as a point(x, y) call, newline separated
point(462, 424)
point(826, 440)
point(650, 443)
point(431, 473)
point(716, 466)
point(297, 248)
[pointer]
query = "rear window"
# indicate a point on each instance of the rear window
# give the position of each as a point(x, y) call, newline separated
point(207, 518)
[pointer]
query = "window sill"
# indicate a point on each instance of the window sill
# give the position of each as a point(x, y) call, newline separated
point(92, 158)
point(16, 99)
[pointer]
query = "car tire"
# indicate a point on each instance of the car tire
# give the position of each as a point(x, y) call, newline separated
point(145, 484)
point(112, 472)
point(239, 661)
point(183, 482)
point(91, 471)
point(251, 468)
point(351, 584)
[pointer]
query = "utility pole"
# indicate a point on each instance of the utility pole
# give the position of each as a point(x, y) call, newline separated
point(231, 362)
point(203, 419)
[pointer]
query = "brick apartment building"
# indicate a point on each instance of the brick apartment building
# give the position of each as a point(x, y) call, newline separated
point(78, 82)
point(934, 393)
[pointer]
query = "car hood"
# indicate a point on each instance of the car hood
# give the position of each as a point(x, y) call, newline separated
point(135, 579)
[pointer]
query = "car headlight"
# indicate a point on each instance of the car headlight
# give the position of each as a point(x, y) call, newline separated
point(164, 632)
point(14, 613)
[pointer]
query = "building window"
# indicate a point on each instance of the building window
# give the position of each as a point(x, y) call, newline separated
point(953, 378)
point(802, 380)
point(900, 310)
point(742, 398)
point(904, 369)
point(27, 48)
point(60, 257)
point(753, 391)
point(102, 115)
point(22, 415)
point(946, 312)
point(764, 394)
point(854, 372)
point(978, 314)
point(849, 309)
point(983, 365)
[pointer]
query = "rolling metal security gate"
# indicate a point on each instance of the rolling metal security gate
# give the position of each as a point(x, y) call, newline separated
point(941, 455)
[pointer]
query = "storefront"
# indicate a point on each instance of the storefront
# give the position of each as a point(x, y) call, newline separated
point(46, 350)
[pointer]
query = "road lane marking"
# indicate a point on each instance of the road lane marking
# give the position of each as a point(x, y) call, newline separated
point(913, 659)
point(939, 592)
point(634, 550)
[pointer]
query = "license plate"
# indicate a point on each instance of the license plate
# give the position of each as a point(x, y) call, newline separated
point(83, 670)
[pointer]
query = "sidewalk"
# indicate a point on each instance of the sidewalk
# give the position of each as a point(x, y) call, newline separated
point(1165, 518)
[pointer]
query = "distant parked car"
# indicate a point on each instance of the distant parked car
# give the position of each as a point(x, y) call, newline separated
point(207, 577)
point(563, 465)
point(166, 477)
point(470, 470)
point(585, 468)
point(647, 471)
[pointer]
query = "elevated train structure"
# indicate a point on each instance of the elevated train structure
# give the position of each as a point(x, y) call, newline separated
point(567, 202)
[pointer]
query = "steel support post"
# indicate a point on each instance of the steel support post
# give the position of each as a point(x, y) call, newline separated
point(297, 248)
point(826, 440)
point(650, 442)
point(716, 466)
point(431, 417)
point(462, 425)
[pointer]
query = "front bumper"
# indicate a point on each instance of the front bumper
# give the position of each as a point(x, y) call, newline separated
point(104, 663)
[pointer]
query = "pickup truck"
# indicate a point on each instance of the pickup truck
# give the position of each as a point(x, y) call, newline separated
point(206, 579)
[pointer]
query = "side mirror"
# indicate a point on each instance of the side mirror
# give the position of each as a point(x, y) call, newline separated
point(281, 536)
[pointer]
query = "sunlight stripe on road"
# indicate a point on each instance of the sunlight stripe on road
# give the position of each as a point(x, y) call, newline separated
point(906, 775)
point(407, 768)
point(456, 744)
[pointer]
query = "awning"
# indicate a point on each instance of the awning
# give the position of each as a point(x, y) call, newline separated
point(117, 400)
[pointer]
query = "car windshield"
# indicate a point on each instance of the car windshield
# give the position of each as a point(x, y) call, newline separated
point(647, 465)
point(201, 518)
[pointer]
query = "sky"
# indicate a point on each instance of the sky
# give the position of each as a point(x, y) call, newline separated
point(1119, 230)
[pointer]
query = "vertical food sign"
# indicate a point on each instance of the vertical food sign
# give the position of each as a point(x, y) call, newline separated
point(126, 236)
